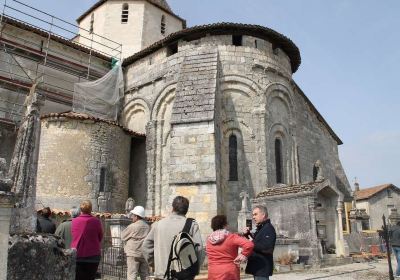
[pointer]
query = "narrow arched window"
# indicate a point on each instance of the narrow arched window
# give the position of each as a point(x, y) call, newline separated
point(278, 161)
point(125, 13)
point(91, 28)
point(163, 25)
point(233, 163)
point(102, 186)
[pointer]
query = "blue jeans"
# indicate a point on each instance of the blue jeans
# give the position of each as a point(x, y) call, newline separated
point(396, 252)
point(263, 278)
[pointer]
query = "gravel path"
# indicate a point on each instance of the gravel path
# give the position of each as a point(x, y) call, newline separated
point(360, 271)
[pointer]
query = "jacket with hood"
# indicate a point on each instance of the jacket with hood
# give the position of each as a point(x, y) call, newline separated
point(222, 249)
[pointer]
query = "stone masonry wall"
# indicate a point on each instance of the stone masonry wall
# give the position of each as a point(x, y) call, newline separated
point(39, 257)
point(72, 153)
point(257, 100)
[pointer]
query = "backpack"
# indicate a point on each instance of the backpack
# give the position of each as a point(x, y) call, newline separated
point(182, 261)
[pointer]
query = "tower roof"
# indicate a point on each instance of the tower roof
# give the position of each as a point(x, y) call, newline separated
point(162, 4)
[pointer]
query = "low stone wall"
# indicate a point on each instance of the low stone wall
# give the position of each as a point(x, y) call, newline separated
point(39, 257)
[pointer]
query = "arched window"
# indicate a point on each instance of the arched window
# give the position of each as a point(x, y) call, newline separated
point(125, 13)
point(102, 187)
point(233, 163)
point(163, 25)
point(91, 28)
point(278, 161)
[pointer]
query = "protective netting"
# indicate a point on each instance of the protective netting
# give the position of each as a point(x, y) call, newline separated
point(100, 98)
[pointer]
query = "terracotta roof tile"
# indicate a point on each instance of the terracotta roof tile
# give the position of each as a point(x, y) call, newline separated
point(80, 116)
point(106, 215)
point(293, 189)
point(369, 192)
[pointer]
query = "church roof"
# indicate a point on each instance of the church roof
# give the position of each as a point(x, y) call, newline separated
point(369, 192)
point(292, 189)
point(278, 40)
point(81, 116)
point(162, 4)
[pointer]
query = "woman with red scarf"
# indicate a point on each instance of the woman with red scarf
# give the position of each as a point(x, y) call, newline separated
point(87, 234)
point(222, 251)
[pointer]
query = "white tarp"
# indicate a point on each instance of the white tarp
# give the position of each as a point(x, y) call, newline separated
point(100, 98)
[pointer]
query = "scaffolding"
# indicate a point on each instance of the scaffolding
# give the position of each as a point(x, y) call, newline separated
point(39, 48)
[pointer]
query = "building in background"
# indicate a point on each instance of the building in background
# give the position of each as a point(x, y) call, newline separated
point(377, 201)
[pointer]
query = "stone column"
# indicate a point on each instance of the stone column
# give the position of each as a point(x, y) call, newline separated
point(342, 248)
point(151, 158)
point(23, 167)
point(6, 204)
point(340, 212)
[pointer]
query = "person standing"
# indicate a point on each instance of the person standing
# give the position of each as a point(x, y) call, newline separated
point(157, 244)
point(87, 234)
point(395, 242)
point(261, 262)
point(222, 251)
point(44, 223)
point(133, 237)
point(64, 229)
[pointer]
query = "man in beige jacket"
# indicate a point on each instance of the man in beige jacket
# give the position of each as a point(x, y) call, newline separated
point(157, 244)
point(133, 237)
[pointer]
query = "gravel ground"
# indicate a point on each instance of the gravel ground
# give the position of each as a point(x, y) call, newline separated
point(359, 271)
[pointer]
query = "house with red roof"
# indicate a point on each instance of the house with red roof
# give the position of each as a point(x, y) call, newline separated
point(377, 201)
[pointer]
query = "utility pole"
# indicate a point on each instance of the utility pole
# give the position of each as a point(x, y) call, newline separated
point(386, 237)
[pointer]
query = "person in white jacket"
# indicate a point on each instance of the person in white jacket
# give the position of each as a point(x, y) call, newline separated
point(133, 237)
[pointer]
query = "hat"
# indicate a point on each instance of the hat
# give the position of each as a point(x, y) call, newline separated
point(138, 211)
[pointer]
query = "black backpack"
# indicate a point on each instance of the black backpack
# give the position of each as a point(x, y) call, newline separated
point(183, 263)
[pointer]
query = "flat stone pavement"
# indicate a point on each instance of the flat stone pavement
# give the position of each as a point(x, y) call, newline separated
point(360, 271)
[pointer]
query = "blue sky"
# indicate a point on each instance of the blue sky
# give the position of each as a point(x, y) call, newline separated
point(350, 58)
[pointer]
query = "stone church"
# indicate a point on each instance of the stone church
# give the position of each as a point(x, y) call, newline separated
point(208, 112)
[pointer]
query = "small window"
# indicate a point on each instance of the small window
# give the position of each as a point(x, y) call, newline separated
point(237, 40)
point(125, 13)
point(163, 25)
point(365, 224)
point(389, 193)
point(255, 44)
point(278, 161)
point(102, 186)
point(172, 49)
point(233, 163)
point(275, 51)
point(91, 28)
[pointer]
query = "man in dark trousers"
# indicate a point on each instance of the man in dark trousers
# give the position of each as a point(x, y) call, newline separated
point(261, 262)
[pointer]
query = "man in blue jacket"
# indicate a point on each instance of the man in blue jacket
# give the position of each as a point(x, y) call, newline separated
point(261, 262)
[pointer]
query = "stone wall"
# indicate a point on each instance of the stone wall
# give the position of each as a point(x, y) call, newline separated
point(294, 224)
point(8, 136)
point(71, 158)
point(255, 99)
point(142, 29)
point(39, 257)
point(380, 204)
